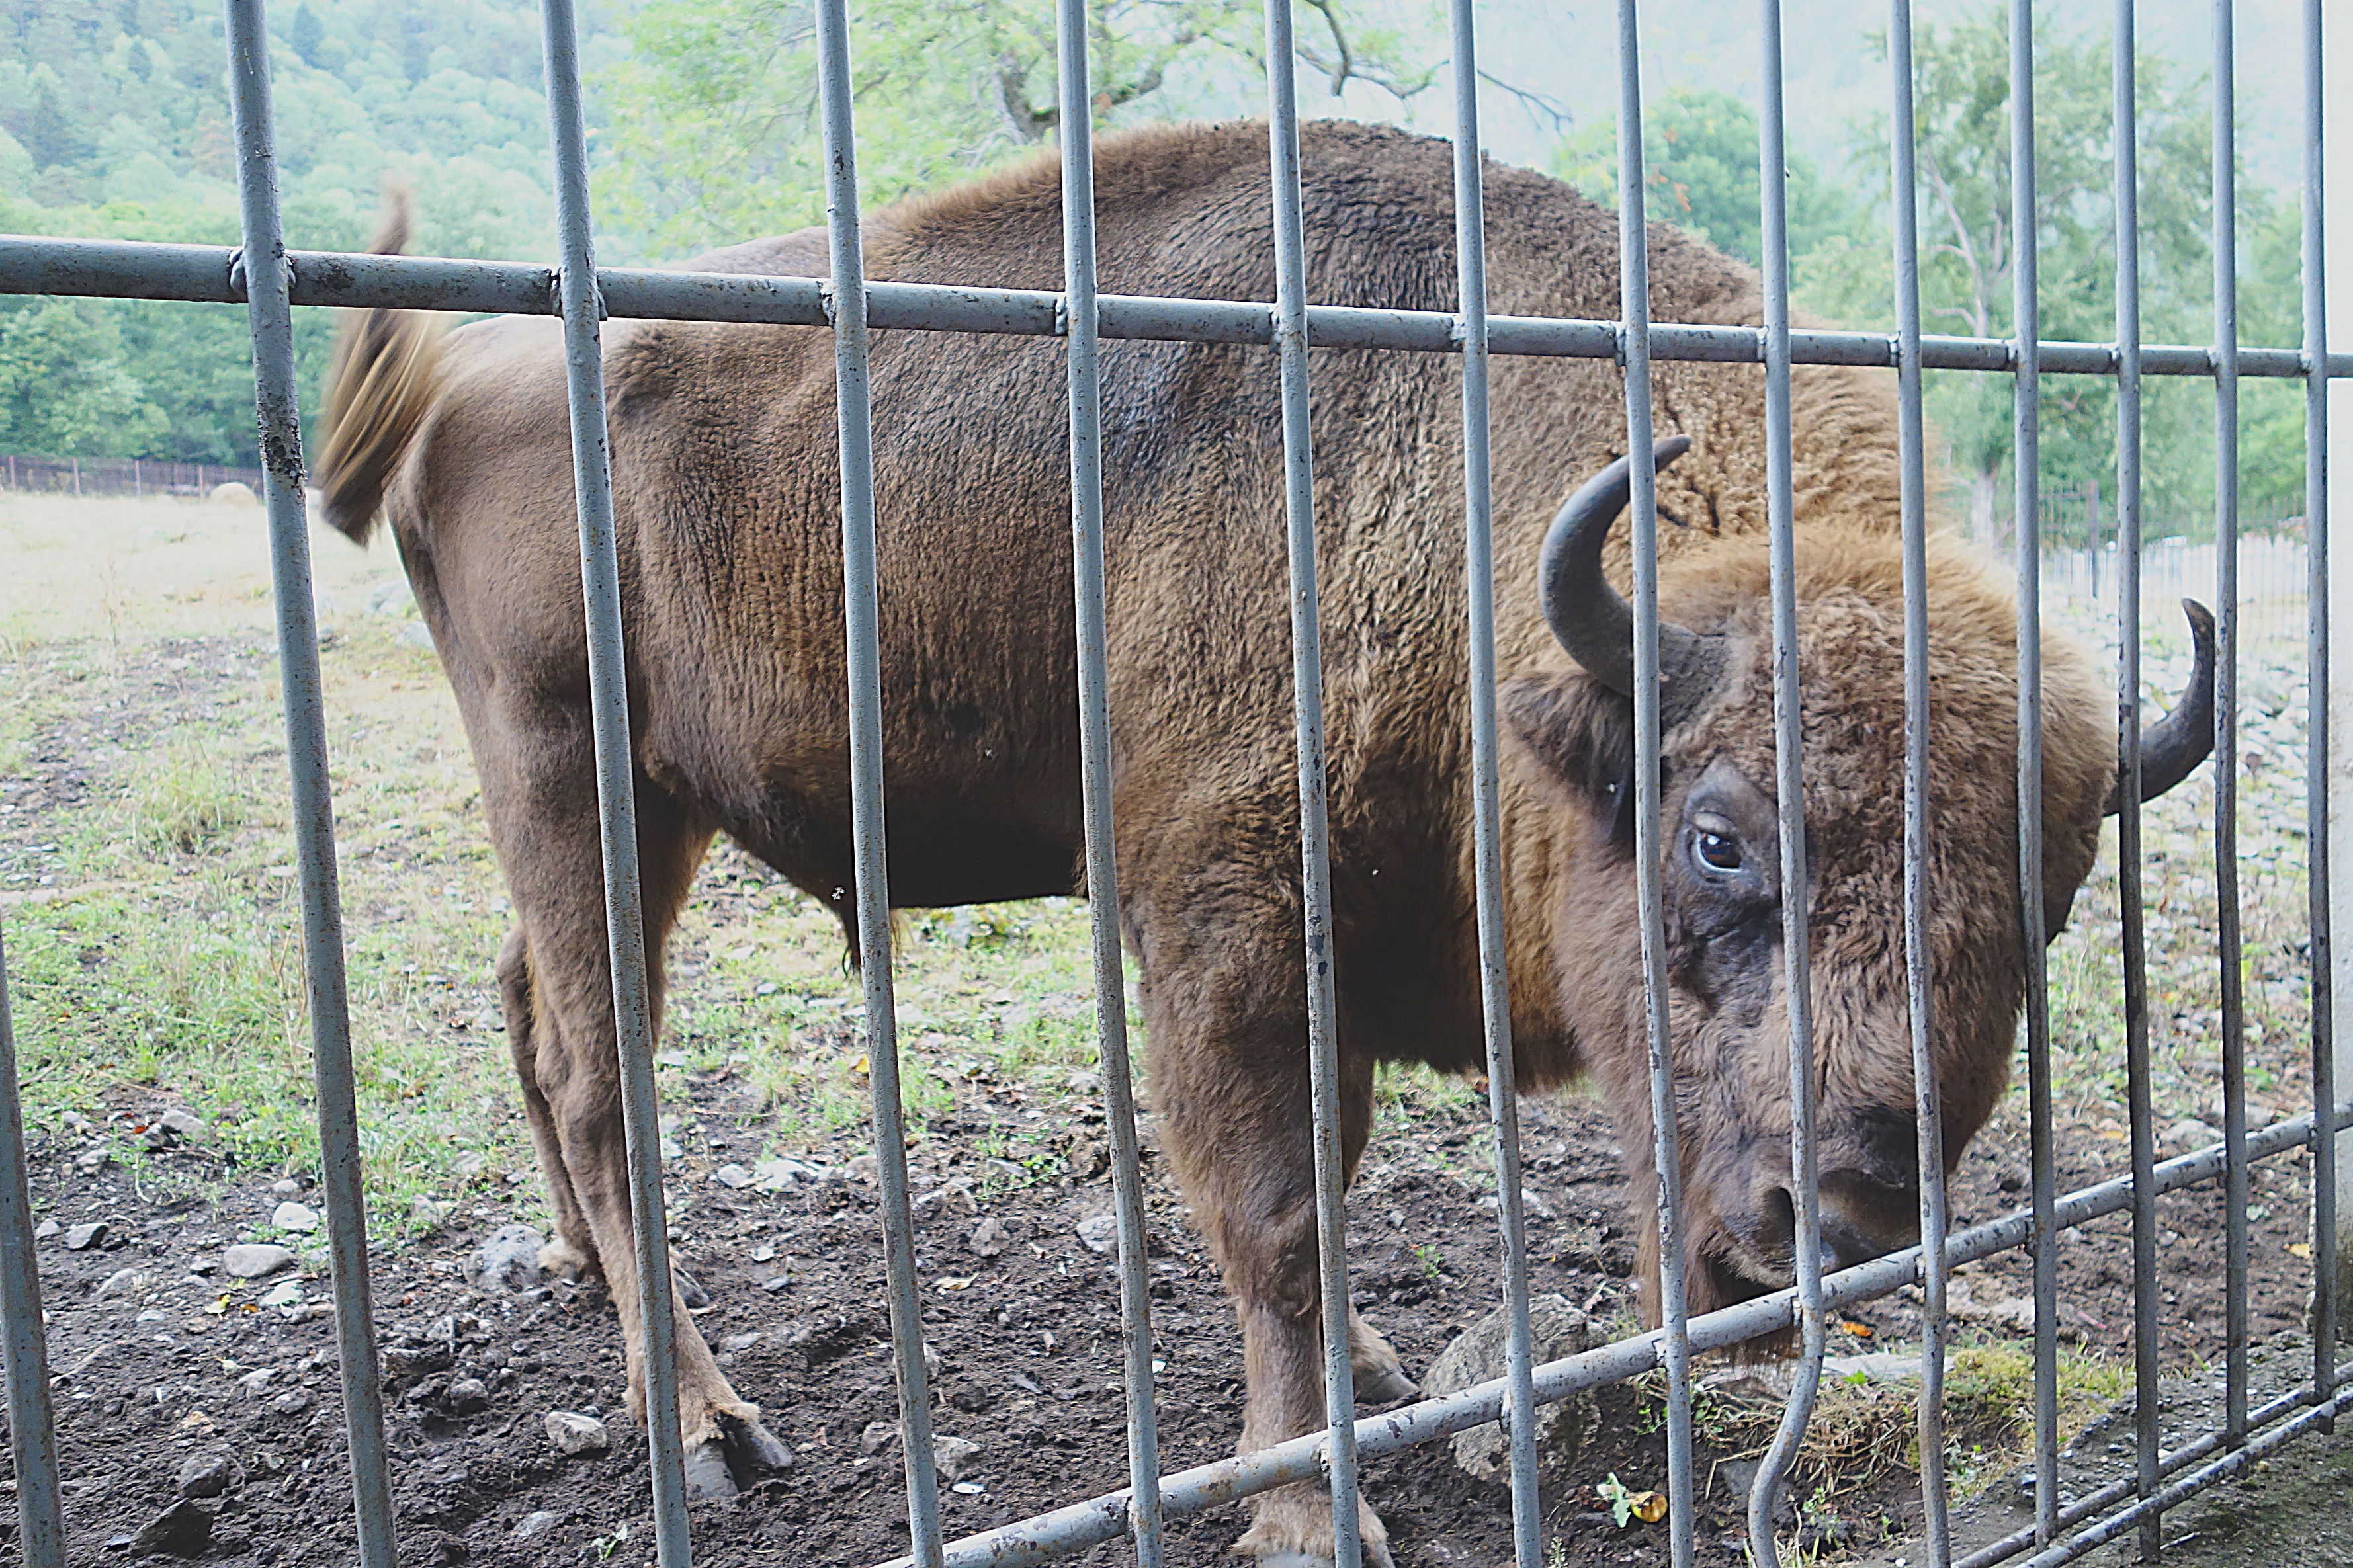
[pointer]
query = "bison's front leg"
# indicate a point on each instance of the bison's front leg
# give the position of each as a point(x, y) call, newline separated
point(1232, 1087)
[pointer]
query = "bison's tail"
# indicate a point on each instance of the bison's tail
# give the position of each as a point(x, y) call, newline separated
point(381, 381)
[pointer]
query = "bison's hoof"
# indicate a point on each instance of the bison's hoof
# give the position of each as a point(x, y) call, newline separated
point(565, 1261)
point(706, 1471)
point(1384, 1386)
point(753, 1446)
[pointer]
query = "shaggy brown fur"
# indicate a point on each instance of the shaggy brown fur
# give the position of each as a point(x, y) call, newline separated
point(725, 476)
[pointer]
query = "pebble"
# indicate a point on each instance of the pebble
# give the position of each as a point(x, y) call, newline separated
point(732, 1175)
point(468, 1395)
point(2191, 1133)
point(255, 1259)
point(988, 1239)
point(777, 1173)
point(952, 1456)
point(577, 1433)
point(294, 1217)
point(254, 1381)
point(181, 1530)
point(293, 1402)
point(120, 1282)
point(1100, 1233)
point(81, 1237)
point(287, 1187)
point(207, 1474)
point(509, 1260)
point(46, 1229)
point(742, 1342)
point(183, 1123)
point(92, 1159)
point(285, 1293)
point(878, 1436)
point(537, 1524)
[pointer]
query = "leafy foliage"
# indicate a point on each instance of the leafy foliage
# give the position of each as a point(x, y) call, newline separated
point(1701, 172)
point(715, 110)
point(1967, 256)
point(114, 123)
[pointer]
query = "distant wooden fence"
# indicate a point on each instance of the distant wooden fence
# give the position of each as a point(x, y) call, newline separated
point(120, 476)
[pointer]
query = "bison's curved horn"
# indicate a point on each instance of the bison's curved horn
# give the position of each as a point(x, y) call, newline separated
point(1586, 612)
point(2184, 738)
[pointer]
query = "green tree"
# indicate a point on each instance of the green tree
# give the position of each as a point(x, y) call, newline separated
point(1701, 172)
point(714, 113)
point(1969, 251)
point(310, 36)
point(63, 386)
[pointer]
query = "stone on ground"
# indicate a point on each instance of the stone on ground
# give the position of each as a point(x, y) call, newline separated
point(509, 1260)
point(1556, 1330)
point(253, 1259)
point(183, 1530)
point(207, 1474)
point(577, 1433)
point(291, 1216)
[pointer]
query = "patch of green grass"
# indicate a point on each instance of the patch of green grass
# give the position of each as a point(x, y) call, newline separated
point(185, 799)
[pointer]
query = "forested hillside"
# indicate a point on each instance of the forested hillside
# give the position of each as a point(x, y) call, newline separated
point(114, 123)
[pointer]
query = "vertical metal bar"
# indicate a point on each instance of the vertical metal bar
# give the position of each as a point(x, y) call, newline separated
point(2316, 535)
point(2139, 1089)
point(1314, 847)
point(1788, 771)
point(600, 585)
point(617, 801)
point(269, 313)
point(32, 1431)
point(2226, 726)
point(1095, 770)
point(1634, 350)
point(862, 614)
point(1918, 973)
point(2027, 450)
point(1487, 853)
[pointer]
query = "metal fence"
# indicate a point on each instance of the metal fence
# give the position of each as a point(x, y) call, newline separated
point(2271, 567)
point(120, 476)
point(270, 282)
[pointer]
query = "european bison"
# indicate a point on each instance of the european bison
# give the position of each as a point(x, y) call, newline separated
point(724, 471)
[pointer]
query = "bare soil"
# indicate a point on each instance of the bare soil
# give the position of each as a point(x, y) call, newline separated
point(155, 1354)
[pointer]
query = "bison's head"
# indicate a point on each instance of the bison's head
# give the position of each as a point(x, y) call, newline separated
point(1721, 875)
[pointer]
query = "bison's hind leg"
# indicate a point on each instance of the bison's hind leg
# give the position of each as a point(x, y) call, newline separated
point(571, 1252)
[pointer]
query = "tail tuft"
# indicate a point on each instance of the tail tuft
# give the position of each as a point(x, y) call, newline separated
point(380, 384)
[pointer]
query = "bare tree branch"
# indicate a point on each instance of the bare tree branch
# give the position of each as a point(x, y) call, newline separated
point(1538, 104)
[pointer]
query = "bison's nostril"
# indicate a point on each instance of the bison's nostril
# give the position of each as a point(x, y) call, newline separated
point(1779, 1219)
point(1845, 1244)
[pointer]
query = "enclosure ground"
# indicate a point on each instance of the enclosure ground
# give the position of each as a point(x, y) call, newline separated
point(146, 896)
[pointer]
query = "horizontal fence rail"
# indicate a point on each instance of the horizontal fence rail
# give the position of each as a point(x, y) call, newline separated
point(271, 282)
point(124, 269)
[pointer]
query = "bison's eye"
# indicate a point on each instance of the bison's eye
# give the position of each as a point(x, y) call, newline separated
point(1717, 848)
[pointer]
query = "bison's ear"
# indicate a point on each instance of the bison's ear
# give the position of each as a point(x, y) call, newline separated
point(1583, 733)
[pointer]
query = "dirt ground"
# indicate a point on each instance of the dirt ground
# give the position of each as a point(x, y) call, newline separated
point(159, 1357)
